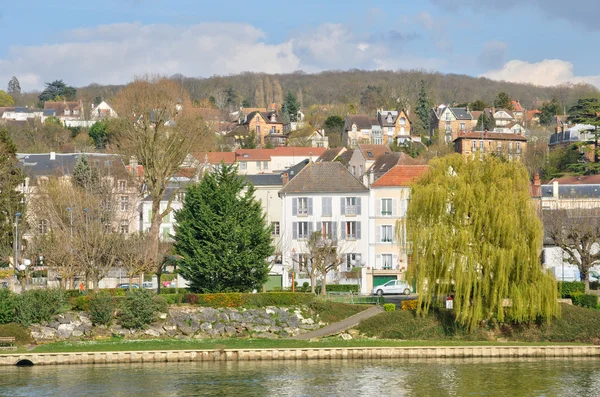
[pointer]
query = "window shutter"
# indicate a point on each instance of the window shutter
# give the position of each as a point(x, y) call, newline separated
point(319, 228)
point(394, 238)
point(342, 205)
point(343, 230)
point(394, 262)
point(378, 234)
point(295, 230)
point(310, 229)
point(294, 206)
point(378, 261)
point(334, 230)
point(326, 206)
point(358, 230)
point(378, 207)
point(310, 200)
point(394, 207)
point(358, 202)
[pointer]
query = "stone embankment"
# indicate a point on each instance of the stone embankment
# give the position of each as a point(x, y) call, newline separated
point(185, 322)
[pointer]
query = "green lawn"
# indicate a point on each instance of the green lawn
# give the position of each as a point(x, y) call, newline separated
point(219, 344)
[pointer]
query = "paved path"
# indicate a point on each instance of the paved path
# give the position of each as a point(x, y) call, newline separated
point(343, 325)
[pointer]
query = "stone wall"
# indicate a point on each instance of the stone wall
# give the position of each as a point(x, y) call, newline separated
point(185, 322)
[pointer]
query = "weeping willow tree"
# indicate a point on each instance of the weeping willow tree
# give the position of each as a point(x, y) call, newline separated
point(475, 235)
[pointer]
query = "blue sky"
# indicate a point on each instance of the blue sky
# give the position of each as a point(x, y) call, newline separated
point(544, 42)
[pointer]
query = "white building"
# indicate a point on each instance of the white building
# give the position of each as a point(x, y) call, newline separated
point(325, 197)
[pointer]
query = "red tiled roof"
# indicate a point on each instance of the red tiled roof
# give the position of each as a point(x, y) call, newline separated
point(517, 106)
point(500, 136)
point(253, 154)
point(372, 152)
point(215, 157)
point(401, 175)
point(298, 151)
point(532, 113)
point(577, 180)
point(186, 172)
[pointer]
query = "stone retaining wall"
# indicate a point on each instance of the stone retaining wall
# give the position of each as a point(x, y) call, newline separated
point(302, 354)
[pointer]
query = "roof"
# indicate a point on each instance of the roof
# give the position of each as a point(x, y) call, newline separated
point(512, 124)
point(373, 152)
point(382, 116)
point(264, 179)
point(362, 121)
point(500, 110)
point(401, 175)
point(461, 113)
point(253, 154)
point(494, 136)
point(60, 107)
point(533, 113)
point(331, 154)
point(265, 115)
point(476, 114)
point(296, 168)
point(215, 157)
point(297, 151)
point(345, 157)
point(579, 187)
point(386, 162)
point(577, 180)
point(517, 106)
point(324, 177)
point(35, 165)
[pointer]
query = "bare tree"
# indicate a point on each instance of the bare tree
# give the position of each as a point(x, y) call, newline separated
point(324, 257)
point(577, 232)
point(157, 127)
point(132, 253)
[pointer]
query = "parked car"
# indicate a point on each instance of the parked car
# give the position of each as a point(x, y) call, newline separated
point(147, 285)
point(126, 286)
point(393, 287)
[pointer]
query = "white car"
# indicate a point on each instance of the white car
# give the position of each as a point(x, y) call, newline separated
point(393, 287)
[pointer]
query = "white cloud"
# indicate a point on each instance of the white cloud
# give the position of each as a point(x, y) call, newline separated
point(114, 54)
point(548, 72)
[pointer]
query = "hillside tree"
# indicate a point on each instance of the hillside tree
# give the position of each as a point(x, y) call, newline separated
point(222, 235)
point(478, 105)
point(85, 176)
point(549, 111)
point(587, 111)
point(14, 87)
point(503, 101)
point(478, 241)
point(291, 107)
point(6, 99)
point(423, 112)
point(155, 126)
point(57, 90)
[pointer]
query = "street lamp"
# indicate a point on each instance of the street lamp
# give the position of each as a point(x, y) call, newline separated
point(358, 261)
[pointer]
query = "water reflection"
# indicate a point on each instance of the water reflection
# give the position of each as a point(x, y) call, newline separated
point(422, 378)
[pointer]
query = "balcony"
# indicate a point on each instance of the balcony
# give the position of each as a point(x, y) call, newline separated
point(351, 210)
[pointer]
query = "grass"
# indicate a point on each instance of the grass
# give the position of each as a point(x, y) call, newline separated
point(220, 344)
point(576, 324)
point(332, 312)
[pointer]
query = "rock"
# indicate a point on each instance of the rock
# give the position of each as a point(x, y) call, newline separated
point(259, 328)
point(270, 310)
point(77, 333)
point(308, 321)
point(266, 335)
point(44, 333)
point(353, 332)
point(170, 327)
point(85, 321)
point(274, 329)
point(284, 334)
point(219, 326)
point(162, 316)
point(235, 316)
point(54, 324)
point(65, 330)
point(208, 315)
point(224, 317)
point(229, 330)
point(206, 326)
point(346, 336)
point(152, 332)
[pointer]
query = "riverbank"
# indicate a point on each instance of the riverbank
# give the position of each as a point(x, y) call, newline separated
point(251, 350)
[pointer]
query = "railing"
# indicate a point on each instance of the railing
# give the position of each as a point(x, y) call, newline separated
point(354, 299)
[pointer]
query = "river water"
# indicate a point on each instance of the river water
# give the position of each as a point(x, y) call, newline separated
point(468, 377)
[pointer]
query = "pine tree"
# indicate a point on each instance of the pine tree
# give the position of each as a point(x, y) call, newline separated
point(423, 111)
point(221, 234)
point(10, 199)
point(291, 106)
point(485, 122)
point(84, 175)
point(475, 234)
point(14, 87)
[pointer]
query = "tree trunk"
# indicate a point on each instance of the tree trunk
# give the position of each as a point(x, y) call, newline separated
point(96, 283)
point(158, 276)
point(587, 285)
point(313, 281)
point(324, 283)
point(154, 233)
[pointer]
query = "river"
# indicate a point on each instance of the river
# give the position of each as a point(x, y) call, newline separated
point(468, 377)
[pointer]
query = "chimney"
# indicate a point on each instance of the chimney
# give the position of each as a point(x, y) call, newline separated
point(536, 180)
point(52, 155)
point(285, 178)
point(555, 189)
point(133, 165)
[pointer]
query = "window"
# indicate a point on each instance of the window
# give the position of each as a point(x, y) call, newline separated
point(447, 116)
point(390, 130)
point(303, 206)
point(361, 169)
point(473, 146)
point(499, 146)
point(303, 230)
point(243, 165)
point(389, 118)
point(124, 227)
point(510, 147)
point(180, 196)
point(273, 130)
point(166, 218)
point(386, 207)
point(402, 121)
point(275, 228)
point(518, 147)
point(265, 165)
point(122, 185)
point(448, 127)
point(481, 145)
point(43, 226)
point(353, 127)
point(387, 261)
point(354, 142)
point(303, 262)
point(75, 112)
point(258, 165)
point(350, 206)
point(124, 203)
point(166, 233)
point(67, 112)
point(354, 170)
point(377, 138)
point(258, 130)
point(351, 230)
point(327, 230)
point(349, 261)
point(462, 126)
point(386, 234)
point(326, 207)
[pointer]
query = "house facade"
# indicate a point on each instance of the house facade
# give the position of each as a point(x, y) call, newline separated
point(395, 126)
point(364, 157)
point(510, 146)
point(358, 128)
point(450, 121)
point(264, 124)
point(102, 111)
point(389, 196)
point(325, 197)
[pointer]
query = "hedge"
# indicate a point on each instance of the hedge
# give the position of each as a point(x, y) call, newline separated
point(168, 290)
point(568, 288)
point(237, 299)
point(585, 300)
point(340, 288)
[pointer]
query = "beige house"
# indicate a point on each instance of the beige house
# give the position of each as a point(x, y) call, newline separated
point(389, 195)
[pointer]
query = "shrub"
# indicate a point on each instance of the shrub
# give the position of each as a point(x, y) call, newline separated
point(137, 310)
point(389, 307)
point(21, 334)
point(72, 293)
point(80, 303)
point(160, 304)
point(340, 288)
point(7, 306)
point(101, 309)
point(173, 299)
point(192, 299)
point(409, 304)
point(585, 300)
point(35, 306)
point(594, 285)
point(568, 288)
point(167, 291)
point(305, 286)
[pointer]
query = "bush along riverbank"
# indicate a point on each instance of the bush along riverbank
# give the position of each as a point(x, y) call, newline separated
point(43, 316)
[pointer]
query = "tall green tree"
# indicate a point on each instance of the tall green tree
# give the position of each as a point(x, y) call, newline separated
point(291, 107)
point(423, 111)
point(84, 175)
point(99, 133)
point(503, 101)
point(57, 90)
point(549, 111)
point(14, 87)
point(478, 241)
point(478, 105)
point(486, 122)
point(587, 111)
point(222, 235)
point(6, 99)
point(10, 199)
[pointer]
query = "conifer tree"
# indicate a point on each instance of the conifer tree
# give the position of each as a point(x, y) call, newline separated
point(423, 110)
point(475, 235)
point(221, 234)
point(84, 175)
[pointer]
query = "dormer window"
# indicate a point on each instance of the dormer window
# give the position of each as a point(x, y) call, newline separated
point(390, 118)
point(353, 127)
point(75, 112)
point(67, 112)
point(402, 121)
point(273, 118)
point(257, 119)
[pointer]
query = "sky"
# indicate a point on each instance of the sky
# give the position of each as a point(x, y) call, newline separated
point(544, 42)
